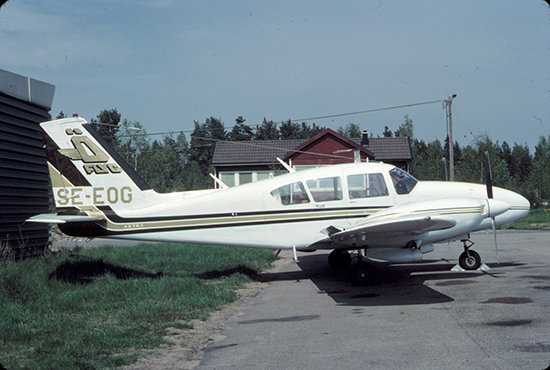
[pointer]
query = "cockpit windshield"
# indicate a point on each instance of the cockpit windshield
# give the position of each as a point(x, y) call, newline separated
point(402, 181)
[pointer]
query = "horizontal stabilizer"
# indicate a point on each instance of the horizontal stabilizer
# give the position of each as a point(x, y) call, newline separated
point(54, 218)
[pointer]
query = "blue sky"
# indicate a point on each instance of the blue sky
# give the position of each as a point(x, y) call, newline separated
point(168, 63)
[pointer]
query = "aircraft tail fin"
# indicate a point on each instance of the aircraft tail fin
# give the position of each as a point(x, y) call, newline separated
point(86, 173)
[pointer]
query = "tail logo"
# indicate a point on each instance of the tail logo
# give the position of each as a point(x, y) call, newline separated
point(87, 151)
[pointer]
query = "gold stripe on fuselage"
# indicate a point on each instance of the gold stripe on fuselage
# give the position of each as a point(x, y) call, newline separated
point(237, 220)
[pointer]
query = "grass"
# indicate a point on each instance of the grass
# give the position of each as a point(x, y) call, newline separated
point(538, 219)
point(103, 308)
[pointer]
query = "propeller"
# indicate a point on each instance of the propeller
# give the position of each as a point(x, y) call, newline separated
point(489, 184)
point(488, 176)
point(444, 176)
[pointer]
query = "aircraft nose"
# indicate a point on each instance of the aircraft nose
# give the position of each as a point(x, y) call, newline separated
point(519, 205)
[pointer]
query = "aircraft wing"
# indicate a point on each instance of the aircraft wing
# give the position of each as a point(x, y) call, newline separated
point(405, 223)
point(54, 218)
point(388, 224)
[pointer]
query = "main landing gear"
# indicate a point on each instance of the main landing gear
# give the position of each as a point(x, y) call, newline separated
point(361, 273)
point(469, 259)
point(339, 259)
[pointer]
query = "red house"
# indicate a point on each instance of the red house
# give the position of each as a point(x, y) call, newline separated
point(327, 148)
point(239, 162)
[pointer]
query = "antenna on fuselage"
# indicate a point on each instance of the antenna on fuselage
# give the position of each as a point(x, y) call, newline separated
point(285, 165)
point(221, 184)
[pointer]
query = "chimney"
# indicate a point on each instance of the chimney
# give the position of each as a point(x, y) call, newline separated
point(365, 138)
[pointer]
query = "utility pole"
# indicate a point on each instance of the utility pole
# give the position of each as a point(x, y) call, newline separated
point(447, 103)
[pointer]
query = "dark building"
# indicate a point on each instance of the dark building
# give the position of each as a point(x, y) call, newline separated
point(24, 180)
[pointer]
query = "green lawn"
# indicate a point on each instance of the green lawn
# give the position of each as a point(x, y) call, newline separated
point(538, 219)
point(100, 308)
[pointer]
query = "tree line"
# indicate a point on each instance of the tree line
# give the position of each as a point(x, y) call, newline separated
point(174, 163)
point(513, 167)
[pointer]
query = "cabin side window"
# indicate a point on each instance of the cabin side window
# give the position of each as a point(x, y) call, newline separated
point(294, 193)
point(367, 185)
point(326, 189)
point(402, 181)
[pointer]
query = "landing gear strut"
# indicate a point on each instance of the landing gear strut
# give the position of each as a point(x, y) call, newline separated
point(339, 259)
point(469, 259)
point(360, 274)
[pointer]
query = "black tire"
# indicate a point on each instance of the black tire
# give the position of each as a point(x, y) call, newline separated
point(362, 274)
point(469, 260)
point(339, 259)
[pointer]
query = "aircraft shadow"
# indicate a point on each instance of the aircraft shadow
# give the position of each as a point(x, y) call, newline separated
point(396, 285)
point(84, 270)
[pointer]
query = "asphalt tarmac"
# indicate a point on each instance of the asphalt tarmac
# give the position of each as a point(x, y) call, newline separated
point(417, 316)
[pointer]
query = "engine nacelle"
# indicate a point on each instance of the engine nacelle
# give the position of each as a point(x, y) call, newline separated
point(400, 255)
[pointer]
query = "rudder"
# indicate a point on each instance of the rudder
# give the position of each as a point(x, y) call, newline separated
point(85, 171)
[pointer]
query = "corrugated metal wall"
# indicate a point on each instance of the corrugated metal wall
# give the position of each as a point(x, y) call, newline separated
point(24, 181)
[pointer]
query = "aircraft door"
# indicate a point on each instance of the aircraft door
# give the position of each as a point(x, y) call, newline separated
point(328, 198)
point(367, 193)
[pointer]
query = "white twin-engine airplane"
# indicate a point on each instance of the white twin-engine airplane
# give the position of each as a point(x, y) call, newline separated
point(377, 209)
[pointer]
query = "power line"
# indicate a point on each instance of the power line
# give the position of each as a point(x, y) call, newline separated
point(310, 118)
point(365, 111)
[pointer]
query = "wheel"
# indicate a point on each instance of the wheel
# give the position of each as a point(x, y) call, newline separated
point(339, 259)
point(362, 273)
point(469, 260)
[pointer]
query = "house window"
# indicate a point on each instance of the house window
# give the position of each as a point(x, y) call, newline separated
point(239, 178)
point(245, 177)
point(228, 178)
point(263, 175)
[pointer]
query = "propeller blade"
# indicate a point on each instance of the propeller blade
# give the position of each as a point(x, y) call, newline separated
point(489, 184)
point(488, 176)
point(495, 237)
point(444, 169)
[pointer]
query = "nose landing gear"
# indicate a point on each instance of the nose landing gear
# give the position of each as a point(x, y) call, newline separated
point(469, 259)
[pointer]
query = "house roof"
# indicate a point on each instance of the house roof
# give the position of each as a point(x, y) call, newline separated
point(252, 152)
point(331, 135)
point(266, 151)
point(389, 148)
